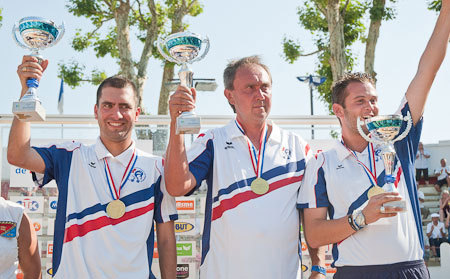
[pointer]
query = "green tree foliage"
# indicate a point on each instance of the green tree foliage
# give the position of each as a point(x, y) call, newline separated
point(435, 5)
point(114, 22)
point(1, 17)
point(354, 16)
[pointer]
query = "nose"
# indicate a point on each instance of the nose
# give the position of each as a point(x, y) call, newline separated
point(116, 113)
point(259, 94)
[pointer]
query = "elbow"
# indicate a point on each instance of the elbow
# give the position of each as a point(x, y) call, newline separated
point(12, 158)
point(314, 243)
point(174, 190)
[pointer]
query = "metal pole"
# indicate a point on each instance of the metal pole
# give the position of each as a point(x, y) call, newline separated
point(311, 102)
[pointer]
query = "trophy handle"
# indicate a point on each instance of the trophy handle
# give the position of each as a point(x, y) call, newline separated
point(14, 35)
point(62, 30)
point(161, 50)
point(205, 40)
point(408, 127)
point(359, 123)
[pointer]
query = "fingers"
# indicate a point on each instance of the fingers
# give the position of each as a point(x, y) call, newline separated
point(182, 100)
point(31, 68)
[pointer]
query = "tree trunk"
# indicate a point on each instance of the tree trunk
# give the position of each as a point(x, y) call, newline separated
point(372, 38)
point(163, 107)
point(337, 42)
point(123, 39)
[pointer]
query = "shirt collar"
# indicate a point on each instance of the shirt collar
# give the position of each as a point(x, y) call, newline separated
point(234, 132)
point(343, 152)
point(102, 152)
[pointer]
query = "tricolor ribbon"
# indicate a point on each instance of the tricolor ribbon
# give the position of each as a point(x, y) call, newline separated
point(372, 172)
point(257, 157)
point(125, 176)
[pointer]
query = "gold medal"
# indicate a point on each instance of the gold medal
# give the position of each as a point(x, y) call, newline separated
point(375, 190)
point(115, 209)
point(259, 186)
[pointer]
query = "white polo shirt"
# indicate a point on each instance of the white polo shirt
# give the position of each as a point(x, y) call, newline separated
point(436, 233)
point(444, 174)
point(422, 162)
point(87, 243)
point(335, 180)
point(247, 235)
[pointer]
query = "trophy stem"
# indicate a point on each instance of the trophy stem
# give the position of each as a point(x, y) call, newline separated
point(186, 76)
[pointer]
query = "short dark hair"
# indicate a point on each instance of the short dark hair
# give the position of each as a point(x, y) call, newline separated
point(229, 74)
point(117, 81)
point(338, 90)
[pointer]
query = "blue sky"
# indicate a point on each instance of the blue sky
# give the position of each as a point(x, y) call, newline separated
point(240, 28)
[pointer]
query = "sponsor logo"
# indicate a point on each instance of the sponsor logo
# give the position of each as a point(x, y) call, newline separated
point(53, 204)
point(22, 171)
point(30, 204)
point(155, 251)
point(50, 271)
point(183, 227)
point(201, 135)
point(286, 153)
point(37, 226)
point(184, 249)
point(182, 271)
point(304, 247)
point(339, 167)
point(92, 165)
point(229, 144)
point(304, 268)
point(185, 205)
point(137, 175)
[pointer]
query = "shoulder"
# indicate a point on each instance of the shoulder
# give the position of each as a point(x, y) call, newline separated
point(68, 146)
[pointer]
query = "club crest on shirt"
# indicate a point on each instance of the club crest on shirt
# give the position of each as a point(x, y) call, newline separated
point(377, 154)
point(286, 153)
point(137, 175)
point(7, 229)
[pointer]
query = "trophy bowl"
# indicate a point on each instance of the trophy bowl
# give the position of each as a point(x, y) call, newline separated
point(384, 127)
point(34, 33)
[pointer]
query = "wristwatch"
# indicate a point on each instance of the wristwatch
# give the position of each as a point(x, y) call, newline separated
point(322, 270)
point(359, 220)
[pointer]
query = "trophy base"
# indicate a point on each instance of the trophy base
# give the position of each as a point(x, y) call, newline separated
point(187, 124)
point(400, 204)
point(29, 111)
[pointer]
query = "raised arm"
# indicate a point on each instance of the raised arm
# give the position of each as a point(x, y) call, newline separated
point(179, 180)
point(429, 64)
point(20, 152)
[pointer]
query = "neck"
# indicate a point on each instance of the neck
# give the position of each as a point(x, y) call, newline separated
point(254, 131)
point(354, 142)
point(116, 148)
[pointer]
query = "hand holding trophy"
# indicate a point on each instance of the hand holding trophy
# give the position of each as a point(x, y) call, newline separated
point(37, 33)
point(384, 130)
point(182, 48)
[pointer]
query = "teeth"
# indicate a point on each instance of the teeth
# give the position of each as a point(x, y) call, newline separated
point(115, 124)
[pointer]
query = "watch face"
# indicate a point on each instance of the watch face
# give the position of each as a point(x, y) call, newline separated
point(360, 220)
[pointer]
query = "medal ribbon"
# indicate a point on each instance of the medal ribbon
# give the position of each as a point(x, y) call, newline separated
point(257, 159)
point(125, 176)
point(371, 174)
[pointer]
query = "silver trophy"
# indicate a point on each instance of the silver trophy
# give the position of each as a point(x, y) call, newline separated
point(183, 48)
point(384, 130)
point(36, 33)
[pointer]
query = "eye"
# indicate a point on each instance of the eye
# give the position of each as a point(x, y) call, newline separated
point(107, 105)
point(124, 106)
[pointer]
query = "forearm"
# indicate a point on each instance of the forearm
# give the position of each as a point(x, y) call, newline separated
point(167, 251)
point(19, 142)
point(429, 64)
point(179, 180)
point(323, 232)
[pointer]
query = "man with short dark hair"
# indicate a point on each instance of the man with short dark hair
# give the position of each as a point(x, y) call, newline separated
point(371, 240)
point(104, 220)
point(253, 170)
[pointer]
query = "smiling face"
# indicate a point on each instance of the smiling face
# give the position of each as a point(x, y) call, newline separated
point(361, 101)
point(116, 113)
point(251, 94)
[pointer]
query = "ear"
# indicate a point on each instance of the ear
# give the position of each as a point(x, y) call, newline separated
point(229, 95)
point(338, 110)
point(96, 111)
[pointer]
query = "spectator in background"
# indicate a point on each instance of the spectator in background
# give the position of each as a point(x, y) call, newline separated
point(435, 233)
point(443, 175)
point(444, 205)
point(447, 225)
point(425, 211)
point(421, 165)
